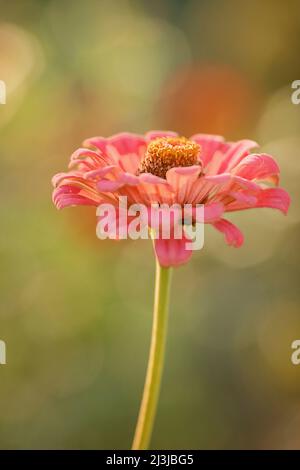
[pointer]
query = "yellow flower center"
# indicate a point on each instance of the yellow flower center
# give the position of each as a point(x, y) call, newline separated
point(169, 152)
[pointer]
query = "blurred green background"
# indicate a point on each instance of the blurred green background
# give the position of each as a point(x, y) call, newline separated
point(75, 311)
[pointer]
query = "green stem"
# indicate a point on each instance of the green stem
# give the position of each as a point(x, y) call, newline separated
point(156, 359)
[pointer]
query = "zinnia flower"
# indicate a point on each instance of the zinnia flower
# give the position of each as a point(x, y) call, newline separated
point(162, 167)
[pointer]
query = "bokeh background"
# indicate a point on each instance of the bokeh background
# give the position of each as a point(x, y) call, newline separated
point(75, 311)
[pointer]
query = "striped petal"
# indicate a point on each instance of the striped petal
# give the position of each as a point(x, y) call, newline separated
point(259, 167)
point(232, 233)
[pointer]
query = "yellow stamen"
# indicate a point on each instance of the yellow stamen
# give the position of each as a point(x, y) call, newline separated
point(169, 152)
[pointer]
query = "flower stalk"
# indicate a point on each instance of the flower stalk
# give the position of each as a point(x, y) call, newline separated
point(150, 397)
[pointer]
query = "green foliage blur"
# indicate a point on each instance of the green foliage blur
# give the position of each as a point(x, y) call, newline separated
point(75, 311)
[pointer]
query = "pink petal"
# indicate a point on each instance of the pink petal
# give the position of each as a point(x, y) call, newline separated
point(217, 186)
point(157, 134)
point(210, 144)
point(239, 182)
point(130, 179)
point(218, 179)
point(203, 187)
point(127, 142)
point(100, 172)
point(236, 153)
point(65, 196)
point(274, 198)
point(71, 201)
point(152, 179)
point(109, 185)
point(258, 166)
point(97, 142)
point(82, 155)
point(112, 181)
point(213, 211)
point(244, 197)
point(181, 181)
point(146, 189)
point(233, 235)
point(130, 162)
point(59, 177)
point(172, 252)
point(119, 145)
point(154, 189)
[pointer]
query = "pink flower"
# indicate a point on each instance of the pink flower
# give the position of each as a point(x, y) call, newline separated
point(161, 167)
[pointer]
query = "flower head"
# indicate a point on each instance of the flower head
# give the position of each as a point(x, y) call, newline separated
point(161, 167)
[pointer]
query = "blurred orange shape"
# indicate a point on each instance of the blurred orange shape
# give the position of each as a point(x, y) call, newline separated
point(217, 99)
